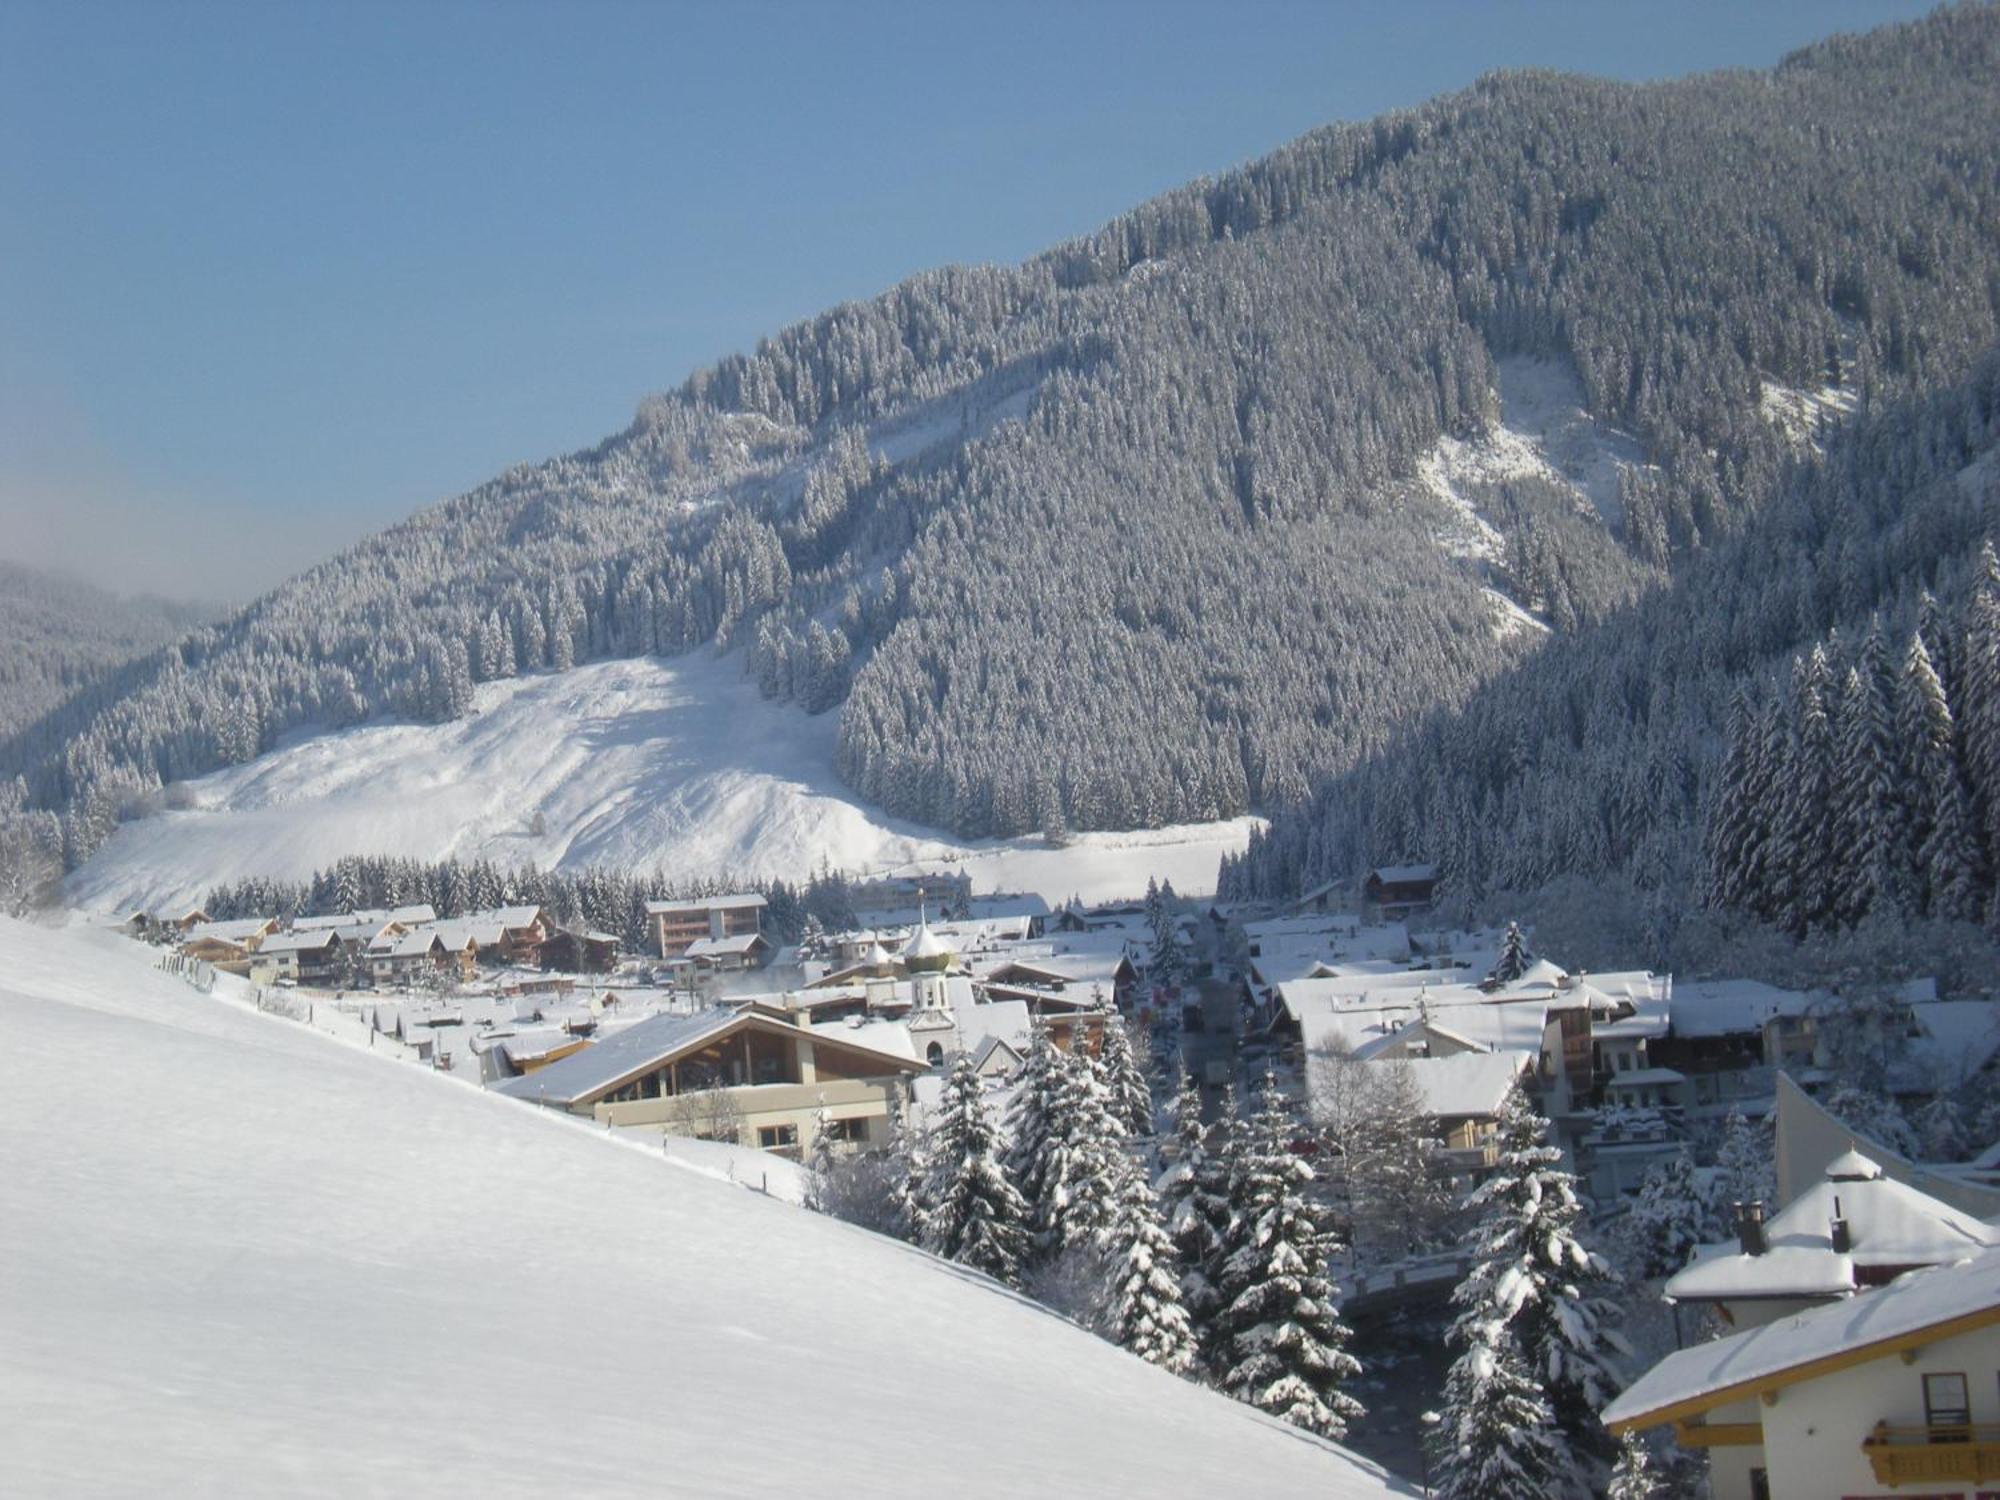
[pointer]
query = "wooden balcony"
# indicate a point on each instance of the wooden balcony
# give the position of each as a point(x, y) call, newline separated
point(1918, 1455)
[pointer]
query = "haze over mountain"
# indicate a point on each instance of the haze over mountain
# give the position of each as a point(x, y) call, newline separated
point(1179, 519)
point(63, 633)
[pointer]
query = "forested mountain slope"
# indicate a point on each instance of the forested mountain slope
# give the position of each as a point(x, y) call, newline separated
point(1140, 531)
point(62, 634)
point(1804, 727)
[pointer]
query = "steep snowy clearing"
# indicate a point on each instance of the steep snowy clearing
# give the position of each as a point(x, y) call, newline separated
point(1544, 433)
point(1798, 414)
point(241, 1258)
point(634, 764)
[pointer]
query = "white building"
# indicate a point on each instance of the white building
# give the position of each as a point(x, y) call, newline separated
point(1892, 1393)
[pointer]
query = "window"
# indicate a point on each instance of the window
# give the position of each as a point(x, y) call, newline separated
point(1760, 1485)
point(854, 1132)
point(934, 1054)
point(1946, 1404)
point(777, 1137)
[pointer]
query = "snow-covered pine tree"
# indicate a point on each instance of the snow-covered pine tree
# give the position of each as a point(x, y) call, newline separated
point(1667, 1221)
point(1515, 959)
point(1166, 966)
point(1633, 1477)
point(1399, 1203)
point(1743, 1165)
point(820, 1164)
point(1727, 829)
point(1866, 816)
point(1194, 1204)
point(1129, 1096)
point(972, 1214)
point(1063, 1157)
point(1978, 712)
point(1285, 1348)
point(908, 1179)
point(1532, 1274)
point(1031, 1116)
point(1497, 1438)
point(1947, 857)
point(1804, 811)
point(1145, 1313)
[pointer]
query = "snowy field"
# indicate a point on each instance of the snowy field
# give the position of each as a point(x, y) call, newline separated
point(239, 1257)
point(679, 764)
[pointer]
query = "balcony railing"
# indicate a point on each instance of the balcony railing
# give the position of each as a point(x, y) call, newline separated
point(1911, 1455)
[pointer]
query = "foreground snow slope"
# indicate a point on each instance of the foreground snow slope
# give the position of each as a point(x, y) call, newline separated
point(238, 1257)
point(677, 764)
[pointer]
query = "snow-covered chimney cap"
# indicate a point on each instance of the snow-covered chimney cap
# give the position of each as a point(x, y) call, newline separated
point(1852, 1166)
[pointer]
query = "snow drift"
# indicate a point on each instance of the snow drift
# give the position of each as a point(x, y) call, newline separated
point(240, 1257)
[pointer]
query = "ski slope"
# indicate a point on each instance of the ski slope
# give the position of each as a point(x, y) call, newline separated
point(680, 765)
point(239, 1257)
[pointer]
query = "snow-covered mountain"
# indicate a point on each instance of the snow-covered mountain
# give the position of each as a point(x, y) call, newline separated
point(244, 1258)
point(641, 764)
point(1175, 521)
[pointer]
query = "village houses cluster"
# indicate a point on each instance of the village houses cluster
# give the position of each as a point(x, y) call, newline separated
point(720, 1031)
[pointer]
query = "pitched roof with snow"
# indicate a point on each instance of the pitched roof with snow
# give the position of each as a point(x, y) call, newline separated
point(1403, 874)
point(723, 947)
point(1726, 1007)
point(1963, 1295)
point(1890, 1226)
point(602, 1066)
point(238, 931)
point(742, 901)
point(1470, 1083)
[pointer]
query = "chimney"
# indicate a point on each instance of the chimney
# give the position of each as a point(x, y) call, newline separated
point(1839, 1233)
point(1750, 1228)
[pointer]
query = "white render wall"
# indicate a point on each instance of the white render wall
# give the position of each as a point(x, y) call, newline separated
point(1812, 1437)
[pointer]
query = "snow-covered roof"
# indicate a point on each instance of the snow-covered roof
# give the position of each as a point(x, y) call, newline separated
point(926, 946)
point(298, 942)
point(1726, 1007)
point(1792, 1349)
point(742, 901)
point(422, 912)
point(1890, 1225)
point(1404, 874)
point(532, 1046)
point(605, 1063)
point(413, 944)
point(724, 947)
point(237, 931)
point(1469, 1083)
point(505, 916)
point(1959, 1037)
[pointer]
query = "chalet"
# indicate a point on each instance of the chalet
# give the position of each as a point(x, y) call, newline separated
point(677, 924)
point(510, 934)
point(423, 952)
point(1463, 1092)
point(1893, 1392)
point(226, 945)
point(774, 1075)
point(1395, 892)
point(570, 952)
point(301, 957)
point(745, 950)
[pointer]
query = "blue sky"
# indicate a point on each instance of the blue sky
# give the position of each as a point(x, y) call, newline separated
point(275, 275)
